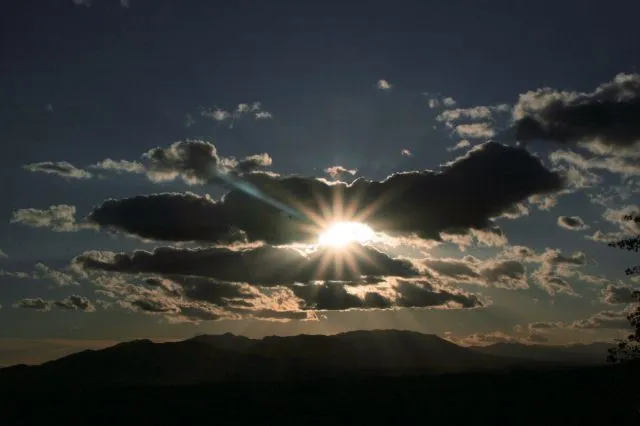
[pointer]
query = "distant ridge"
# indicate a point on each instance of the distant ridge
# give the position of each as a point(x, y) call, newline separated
point(227, 357)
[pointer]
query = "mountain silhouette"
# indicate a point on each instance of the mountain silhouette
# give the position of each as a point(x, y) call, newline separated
point(227, 357)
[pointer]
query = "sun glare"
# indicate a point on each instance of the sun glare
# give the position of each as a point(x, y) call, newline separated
point(343, 233)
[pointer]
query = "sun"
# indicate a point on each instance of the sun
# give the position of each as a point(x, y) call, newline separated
point(341, 234)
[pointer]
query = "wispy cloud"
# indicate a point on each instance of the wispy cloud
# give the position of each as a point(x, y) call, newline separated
point(60, 168)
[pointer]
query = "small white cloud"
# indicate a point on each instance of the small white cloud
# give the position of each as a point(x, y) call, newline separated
point(85, 3)
point(3, 254)
point(337, 172)
point(384, 85)
point(449, 102)
point(263, 115)
point(49, 107)
point(406, 153)
point(464, 143)
point(475, 130)
point(242, 108)
point(216, 114)
point(125, 3)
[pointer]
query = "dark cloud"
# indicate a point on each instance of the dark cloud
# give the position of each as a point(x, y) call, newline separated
point(60, 168)
point(266, 265)
point(606, 117)
point(169, 217)
point(465, 194)
point(573, 223)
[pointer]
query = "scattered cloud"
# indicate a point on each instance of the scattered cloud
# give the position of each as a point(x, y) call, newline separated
point(38, 304)
point(242, 109)
point(449, 102)
point(604, 319)
point(572, 223)
point(125, 3)
point(613, 164)
point(544, 202)
point(3, 254)
point(197, 162)
point(58, 218)
point(384, 85)
point(263, 115)
point(604, 120)
point(71, 303)
point(75, 303)
point(554, 270)
point(339, 172)
point(617, 217)
point(474, 113)
point(500, 273)
point(435, 102)
point(464, 143)
point(43, 272)
point(60, 168)
point(615, 295)
point(406, 153)
point(475, 130)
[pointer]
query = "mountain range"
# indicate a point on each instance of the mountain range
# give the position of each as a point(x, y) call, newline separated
point(230, 358)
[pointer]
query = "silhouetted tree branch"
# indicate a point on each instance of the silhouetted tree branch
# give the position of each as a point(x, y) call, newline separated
point(629, 348)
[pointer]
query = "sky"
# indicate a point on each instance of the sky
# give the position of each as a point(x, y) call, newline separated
point(170, 168)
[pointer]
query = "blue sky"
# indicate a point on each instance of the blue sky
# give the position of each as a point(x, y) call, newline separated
point(315, 85)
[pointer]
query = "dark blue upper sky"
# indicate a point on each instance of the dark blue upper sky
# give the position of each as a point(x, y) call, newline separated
point(84, 81)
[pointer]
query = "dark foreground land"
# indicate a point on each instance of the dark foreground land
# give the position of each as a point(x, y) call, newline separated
point(606, 396)
point(365, 377)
